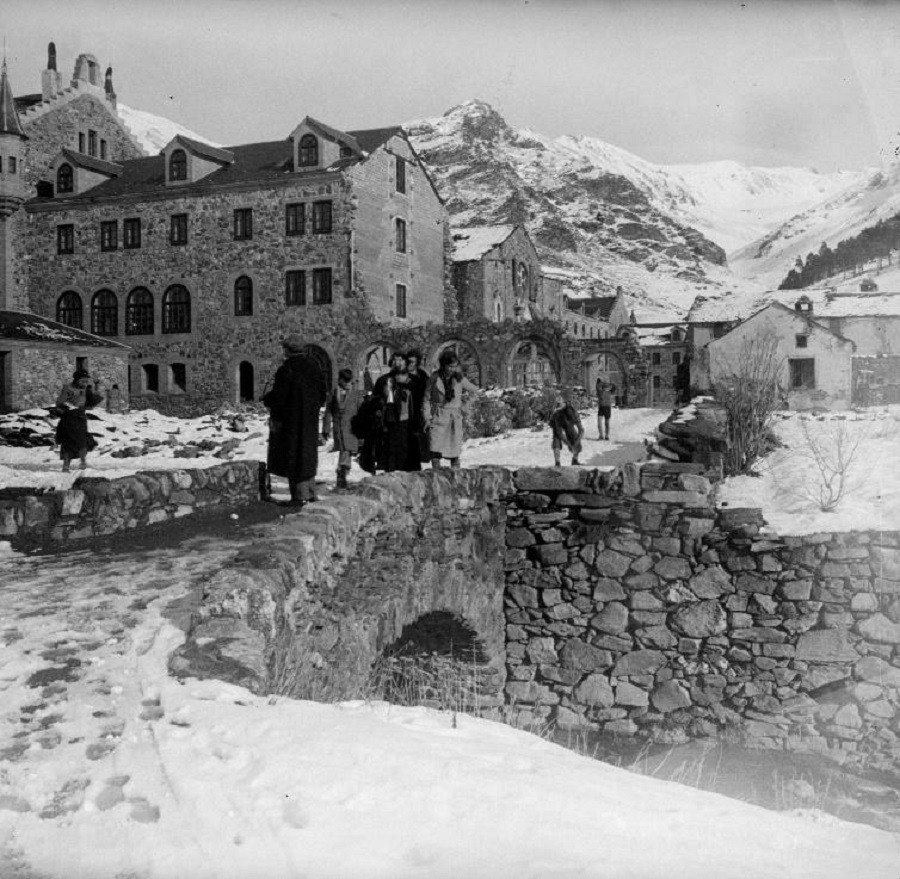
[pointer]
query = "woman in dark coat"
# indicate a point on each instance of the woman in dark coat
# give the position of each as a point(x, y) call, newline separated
point(297, 395)
point(71, 432)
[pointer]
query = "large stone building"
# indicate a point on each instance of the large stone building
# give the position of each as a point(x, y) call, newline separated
point(38, 355)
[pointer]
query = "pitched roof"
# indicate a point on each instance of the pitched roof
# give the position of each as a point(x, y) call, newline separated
point(475, 241)
point(27, 327)
point(110, 169)
point(205, 150)
point(808, 319)
point(253, 163)
point(9, 116)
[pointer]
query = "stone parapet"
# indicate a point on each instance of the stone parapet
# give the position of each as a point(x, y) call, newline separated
point(95, 506)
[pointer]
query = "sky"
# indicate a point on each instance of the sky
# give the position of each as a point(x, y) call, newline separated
point(767, 82)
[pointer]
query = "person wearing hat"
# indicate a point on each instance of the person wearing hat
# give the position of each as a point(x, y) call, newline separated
point(297, 395)
point(72, 403)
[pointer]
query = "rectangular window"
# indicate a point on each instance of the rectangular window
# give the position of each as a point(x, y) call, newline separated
point(177, 378)
point(178, 229)
point(657, 382)
point(401, 300)
point(295, 219)
point(103, 150)
point(321, 217)
point(295, 287)
point(92, 143)
point(656, 358)
point(131, 233)
point(400, 173)
point(400, 237)
point(321, 282)
point(80, 141)
point(243, 224)
point(151, 378)
point(109, 235)
point(65, 238)
point(800, 340)
point(12, 164)
point(803, 373)
point(676, 358)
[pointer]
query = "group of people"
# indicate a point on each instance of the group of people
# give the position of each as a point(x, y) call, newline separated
point(409, 418)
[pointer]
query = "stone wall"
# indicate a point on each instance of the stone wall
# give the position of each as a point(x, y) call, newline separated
point(96, 506)
point(633, 608)
point(617, 601)
point(37, 372)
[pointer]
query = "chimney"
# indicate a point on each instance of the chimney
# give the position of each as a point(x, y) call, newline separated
point(108, 88)
point(51, 81)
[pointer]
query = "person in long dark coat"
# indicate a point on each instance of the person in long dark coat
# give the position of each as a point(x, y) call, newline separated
point(418, 444)
point(394, 430)
point(297, 395)
point(340, 411)
point(72, 431)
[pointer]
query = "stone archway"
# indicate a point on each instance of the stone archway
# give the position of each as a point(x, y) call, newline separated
point(469, 359)
point(440, 661)
point(532, 362)
point(373, 363)
point(323, 361)
point(609, 366)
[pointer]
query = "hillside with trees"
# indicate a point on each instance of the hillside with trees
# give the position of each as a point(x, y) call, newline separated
point(849, 257)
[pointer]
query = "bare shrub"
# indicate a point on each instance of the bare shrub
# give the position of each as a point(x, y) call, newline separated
point(751, 392)
point(833, 449)
point(487, 416)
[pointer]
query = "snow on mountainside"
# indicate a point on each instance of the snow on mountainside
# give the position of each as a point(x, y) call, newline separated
point(154, 132)
point(842, 215)
point(660, 232)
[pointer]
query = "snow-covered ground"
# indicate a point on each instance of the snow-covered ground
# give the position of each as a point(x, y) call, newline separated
point(110, 769)
point(788, 483)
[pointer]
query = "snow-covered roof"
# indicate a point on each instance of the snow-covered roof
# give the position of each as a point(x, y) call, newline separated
point(825, 302)
point(649, 336)
point(24, 326)
point(475, 241)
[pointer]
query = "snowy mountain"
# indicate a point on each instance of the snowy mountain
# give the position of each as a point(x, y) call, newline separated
point(842, 215)
point(154, 132)
point(661, 232)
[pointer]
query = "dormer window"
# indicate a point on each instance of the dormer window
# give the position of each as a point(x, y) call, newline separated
point(65, 180)
point(308, 151)
point(178, 165)
point(803, 305)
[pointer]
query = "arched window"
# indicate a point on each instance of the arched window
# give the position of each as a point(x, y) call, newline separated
point(68, 310)
point(178, 165)
point(65, 181)
point(176, 310)
point(308, 154)
point(105, 313)
point(243, 296)
point(139, 312)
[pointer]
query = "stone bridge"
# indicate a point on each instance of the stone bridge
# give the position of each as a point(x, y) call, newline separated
point(616, 601)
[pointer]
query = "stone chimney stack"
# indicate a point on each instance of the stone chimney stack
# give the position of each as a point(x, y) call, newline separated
point(108, 88)
point(51, 81)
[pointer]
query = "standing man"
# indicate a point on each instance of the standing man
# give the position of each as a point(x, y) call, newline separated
point(340, 410)
point(606, 394)
point(298, 392)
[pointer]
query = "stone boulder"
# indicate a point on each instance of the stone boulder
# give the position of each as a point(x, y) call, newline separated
point(702, 619)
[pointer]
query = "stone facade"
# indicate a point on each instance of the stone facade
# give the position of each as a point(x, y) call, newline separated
point(227, 353)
